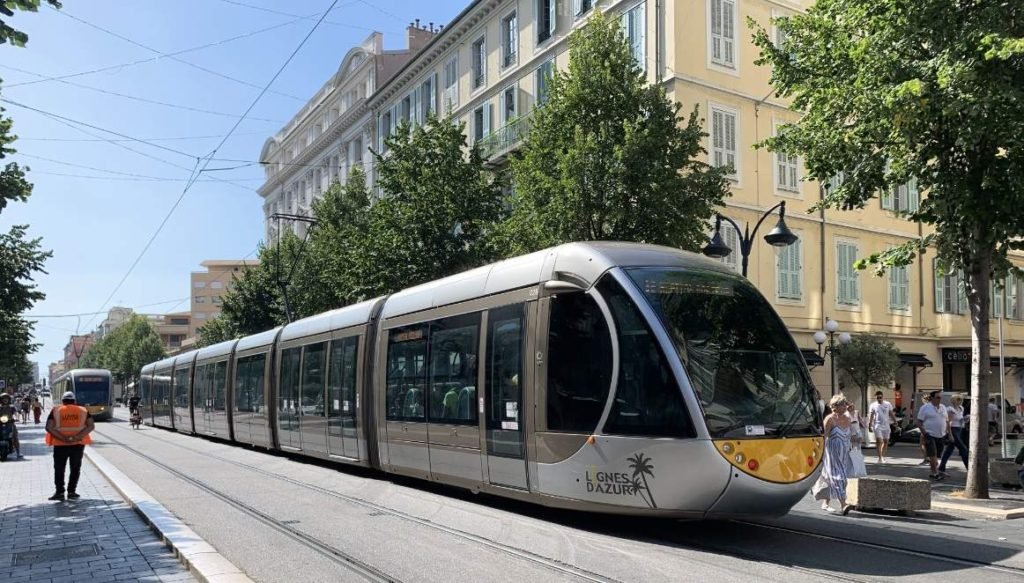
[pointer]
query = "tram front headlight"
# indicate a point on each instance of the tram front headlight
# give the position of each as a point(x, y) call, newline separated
point(739, 458)
point(4, 419)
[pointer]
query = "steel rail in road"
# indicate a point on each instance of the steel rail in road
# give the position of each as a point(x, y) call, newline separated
point(367, 571)
point(551, 564)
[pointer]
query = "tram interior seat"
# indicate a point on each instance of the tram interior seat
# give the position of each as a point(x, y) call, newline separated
point(413, 405)
point(467, 397)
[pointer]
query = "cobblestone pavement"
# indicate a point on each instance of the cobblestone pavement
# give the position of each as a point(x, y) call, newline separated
point(96, 538)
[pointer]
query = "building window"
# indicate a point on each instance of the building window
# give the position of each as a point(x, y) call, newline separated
point(481, 122)
point(723, 33)
point(899, 288)
point(451, 83)
point(581, 7)
point(199, 299)
point(199, 315)
point(405, 110)
point(509, 40)
point(179, 322)
point(508, 104)
point(787, 170)
point(216, 300)
point(902, 198)
point(731, 238)
point(428, 98)
point(849, 285)
point(1012, 308)
point(546, 19)
point(544, 72)
point(384, 131)
point(723, 140)
point(634, 27)
point(789, 272)
point(950, 297)
point(479, 51)
point(199, 284)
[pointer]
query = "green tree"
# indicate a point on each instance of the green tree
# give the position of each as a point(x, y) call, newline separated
point(7, 7)
point(125, 350)
point(333, 261)
point(253, 304)
point(869, 360)
point(608, 157)
point(931, 91)
point(439, 201)
point(216, 330)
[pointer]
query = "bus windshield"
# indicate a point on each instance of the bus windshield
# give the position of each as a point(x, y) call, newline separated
point(92, 390)
point(749, 375)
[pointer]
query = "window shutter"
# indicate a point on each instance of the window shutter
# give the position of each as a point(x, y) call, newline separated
point(728, 40)
point(798, 255)
point(961, 293)
point(913, 196)
point(887, 199)
point(730, 141)
point(716, 30)
point(552, 17)
point(577, 7)
point(1011, 297)
point(783, 274)
point(717, 140)
point(487, 119)
point(844, 294)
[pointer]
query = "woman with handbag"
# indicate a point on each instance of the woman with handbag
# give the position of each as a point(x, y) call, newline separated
point(836, 462)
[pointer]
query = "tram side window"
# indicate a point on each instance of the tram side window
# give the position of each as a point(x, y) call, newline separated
point(249, 390)
point(242, 403)
point(579, 363)
point(454, 347)
point(313, 379)
point(341, 384)
point(199, 388)
point(220, 385)
point(289, 386)
point(181, 387)
point(407, 374)
point(144, 389)
point(647, 398)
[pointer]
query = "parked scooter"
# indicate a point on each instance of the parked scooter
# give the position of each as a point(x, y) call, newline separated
point(6, 436)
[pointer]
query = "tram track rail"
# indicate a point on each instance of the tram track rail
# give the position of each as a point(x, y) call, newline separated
point(336, 555)
point(583, 574)
point(521, 554)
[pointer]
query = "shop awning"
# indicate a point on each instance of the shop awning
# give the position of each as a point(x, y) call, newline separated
point(1009, 361)
point(914, 359)
point(812, 357)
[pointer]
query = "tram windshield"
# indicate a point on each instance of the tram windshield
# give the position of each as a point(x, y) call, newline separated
point(92, 390)
point(749, 375)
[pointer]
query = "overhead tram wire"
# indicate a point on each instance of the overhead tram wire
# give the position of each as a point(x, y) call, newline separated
point(140, 179)
point(116, 172)
point(213, 153)
point(280, 13)
point(137, 98)
point(163, 139)
point(72, 124)
point(173, 58)
point(160, 56)
point(38, 316)
point(183, 300)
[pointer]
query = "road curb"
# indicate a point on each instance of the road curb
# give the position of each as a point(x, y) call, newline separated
point(1008, 514)
point(202, 560)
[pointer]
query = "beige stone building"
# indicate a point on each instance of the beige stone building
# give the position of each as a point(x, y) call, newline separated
point(171, 328)
point(489, 68)
point(208, 288)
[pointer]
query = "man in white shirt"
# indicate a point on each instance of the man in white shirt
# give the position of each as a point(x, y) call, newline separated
point(881, 418)
point(933, 420)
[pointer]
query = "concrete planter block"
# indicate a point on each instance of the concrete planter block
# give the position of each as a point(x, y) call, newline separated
point(1003, 471)
point(892, 493)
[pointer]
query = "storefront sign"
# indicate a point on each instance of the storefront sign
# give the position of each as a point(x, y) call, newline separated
point(956, 355)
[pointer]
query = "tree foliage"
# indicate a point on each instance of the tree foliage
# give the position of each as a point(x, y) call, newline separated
point(869, 360)
point(7, 8)
point(929, 90)
point(439, 201)
point(125, 350)
point(608, 157)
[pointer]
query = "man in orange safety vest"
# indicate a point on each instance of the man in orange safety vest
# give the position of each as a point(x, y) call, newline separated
point(67, 430)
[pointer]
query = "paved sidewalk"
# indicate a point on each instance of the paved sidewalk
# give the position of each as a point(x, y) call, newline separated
point(97, 538)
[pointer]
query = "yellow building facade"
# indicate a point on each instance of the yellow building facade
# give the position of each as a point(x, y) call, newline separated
point(488, 68)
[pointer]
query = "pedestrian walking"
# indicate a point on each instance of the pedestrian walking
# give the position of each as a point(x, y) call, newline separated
point(881, 418)
point(836, 462)
point(955, 413)
point(67, 430)
point(993, 422)
point(37, 409)
point(933, 421)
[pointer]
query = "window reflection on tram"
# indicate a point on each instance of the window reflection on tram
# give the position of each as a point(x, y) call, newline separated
point(740, 358)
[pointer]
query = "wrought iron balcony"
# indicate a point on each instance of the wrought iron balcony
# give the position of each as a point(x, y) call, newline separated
point(498, 144)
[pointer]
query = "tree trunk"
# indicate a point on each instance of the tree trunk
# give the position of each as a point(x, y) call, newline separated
point(978, 295)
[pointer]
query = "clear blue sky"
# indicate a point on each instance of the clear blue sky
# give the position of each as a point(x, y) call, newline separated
point(97, 226)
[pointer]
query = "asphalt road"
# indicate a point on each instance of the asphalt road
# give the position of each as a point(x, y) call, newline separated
point(282, 520)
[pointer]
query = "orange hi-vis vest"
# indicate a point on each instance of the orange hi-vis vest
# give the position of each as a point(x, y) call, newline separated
point(69, 420)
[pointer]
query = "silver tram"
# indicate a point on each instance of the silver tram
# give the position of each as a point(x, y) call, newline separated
point(606, 377)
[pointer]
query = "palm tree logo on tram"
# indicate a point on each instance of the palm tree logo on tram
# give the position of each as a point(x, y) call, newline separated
point(642, 467)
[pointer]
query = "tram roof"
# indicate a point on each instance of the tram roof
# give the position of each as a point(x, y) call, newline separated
point(215, 350)
point(585, 261)
point(339, 319)
point(257, 340)
point(165, 363)
point(89, 371)
point(185, 358)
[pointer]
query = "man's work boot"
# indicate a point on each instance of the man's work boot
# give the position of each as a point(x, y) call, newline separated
point(58, 496)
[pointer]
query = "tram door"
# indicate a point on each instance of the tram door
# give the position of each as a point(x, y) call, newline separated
point(506, 447)
point(288, 405)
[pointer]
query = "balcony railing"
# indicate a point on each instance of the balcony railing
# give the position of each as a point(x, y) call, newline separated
point(505, 139)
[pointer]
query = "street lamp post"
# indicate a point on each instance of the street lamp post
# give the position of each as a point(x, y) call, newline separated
point(780, 236)
point(830, 333)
